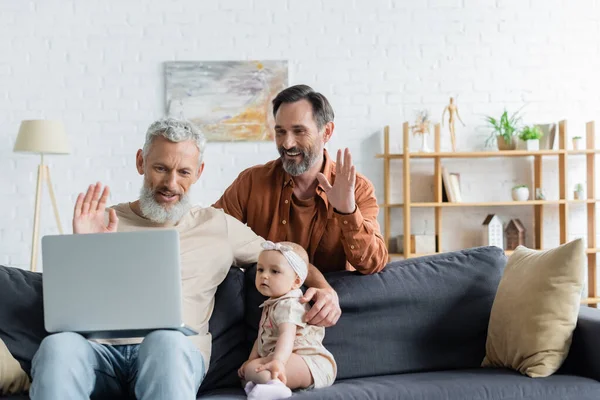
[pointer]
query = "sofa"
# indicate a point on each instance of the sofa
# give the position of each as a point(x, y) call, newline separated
point(417, 330)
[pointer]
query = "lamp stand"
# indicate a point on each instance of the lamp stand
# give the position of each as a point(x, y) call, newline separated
point(43, 175)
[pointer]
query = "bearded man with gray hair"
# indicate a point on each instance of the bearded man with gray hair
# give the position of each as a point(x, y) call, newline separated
point(164, 364)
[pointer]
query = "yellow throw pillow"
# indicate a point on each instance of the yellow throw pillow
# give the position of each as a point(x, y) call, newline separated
point(535, 309)
point(13, 379)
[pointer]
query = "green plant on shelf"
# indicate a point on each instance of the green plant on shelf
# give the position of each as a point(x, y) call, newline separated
point(505, 126)
point(519, 186)
point(530, 133)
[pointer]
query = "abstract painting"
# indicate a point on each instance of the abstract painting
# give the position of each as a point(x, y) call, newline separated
point(228, 100)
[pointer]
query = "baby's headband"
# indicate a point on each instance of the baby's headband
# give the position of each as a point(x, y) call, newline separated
point(295, 261)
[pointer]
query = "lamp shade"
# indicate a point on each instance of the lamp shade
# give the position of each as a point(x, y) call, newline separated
point(42, 136)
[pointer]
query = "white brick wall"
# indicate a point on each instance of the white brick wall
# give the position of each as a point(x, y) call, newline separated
point(98, 66)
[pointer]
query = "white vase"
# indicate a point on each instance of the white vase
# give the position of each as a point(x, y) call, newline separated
point(577, 144)
point(520, 194)
point(532, 145)
point(578, 195)
point(424, 147)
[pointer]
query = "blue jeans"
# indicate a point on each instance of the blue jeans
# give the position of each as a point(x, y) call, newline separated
point(166, 365)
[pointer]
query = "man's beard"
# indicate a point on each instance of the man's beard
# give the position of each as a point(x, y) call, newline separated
point(309, 157)
point(157, 212)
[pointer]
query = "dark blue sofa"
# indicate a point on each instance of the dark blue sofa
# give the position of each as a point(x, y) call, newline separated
point(417, 330)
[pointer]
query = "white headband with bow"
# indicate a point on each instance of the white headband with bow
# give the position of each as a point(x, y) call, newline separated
point(295, 261)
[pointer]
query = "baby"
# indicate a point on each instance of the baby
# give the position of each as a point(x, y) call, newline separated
point(288, 353)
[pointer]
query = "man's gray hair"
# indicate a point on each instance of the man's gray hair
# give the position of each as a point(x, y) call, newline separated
point(175, 130)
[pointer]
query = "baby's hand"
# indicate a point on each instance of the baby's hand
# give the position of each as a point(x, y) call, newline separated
point(277, 369)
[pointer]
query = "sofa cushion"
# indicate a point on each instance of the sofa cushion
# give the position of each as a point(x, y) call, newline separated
point(421, 314)
point(476, 384)
point(227, 327)
point(21, 314)
point(535, 309)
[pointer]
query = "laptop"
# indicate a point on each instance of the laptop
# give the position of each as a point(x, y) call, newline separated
point(113, 285)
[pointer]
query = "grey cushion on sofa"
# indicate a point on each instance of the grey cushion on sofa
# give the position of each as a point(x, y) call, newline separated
point(476, 384)
point(460, 385)
point(21, 313)
point(226, 325)
point(421, 314)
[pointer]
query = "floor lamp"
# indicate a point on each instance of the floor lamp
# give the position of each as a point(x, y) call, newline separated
point(42, 137)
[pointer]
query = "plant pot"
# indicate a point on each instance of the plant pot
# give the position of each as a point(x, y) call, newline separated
point(540, 194)
point(577, 144)
point(520, 194)
point(503, 145)
point(578, 195)
point(532, 145)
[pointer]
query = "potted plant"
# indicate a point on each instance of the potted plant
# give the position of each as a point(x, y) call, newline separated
point(578, 193)
point(577, 143)
point(530, 137)
point(503, 130)
point(520, 193)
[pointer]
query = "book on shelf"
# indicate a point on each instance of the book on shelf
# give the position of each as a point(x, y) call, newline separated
point(450, 187)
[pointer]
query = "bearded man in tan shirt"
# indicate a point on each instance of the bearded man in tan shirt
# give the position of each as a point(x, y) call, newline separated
point(164, 364)
point(306, 198)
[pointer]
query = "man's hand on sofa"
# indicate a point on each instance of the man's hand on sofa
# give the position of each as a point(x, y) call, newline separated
point(326, 309)
point(88, 215)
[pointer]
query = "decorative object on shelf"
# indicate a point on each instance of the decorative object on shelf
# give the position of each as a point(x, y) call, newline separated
point(540, 194)
point(451, 186)
point(229, 100)
point(515, 234)
point(504, 130)
point(452, 115)
point(42, 137)
point(520, 193)
point(493, 231)
point(421, 127)
point(577, 143)
point(548, 135)
point(578, 193)
point(530, 137)
point(419, 244)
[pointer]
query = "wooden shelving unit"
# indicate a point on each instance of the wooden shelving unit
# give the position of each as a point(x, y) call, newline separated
point(538, 205)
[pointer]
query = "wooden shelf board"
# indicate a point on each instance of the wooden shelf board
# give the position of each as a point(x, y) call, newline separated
point(489, 154)
point(585, 201)
point(485, 154)
point(491, 203)
point(507, 252)
point(584, 151)
point(591, 300)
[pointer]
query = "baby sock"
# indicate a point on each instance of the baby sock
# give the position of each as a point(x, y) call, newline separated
point(272, 390)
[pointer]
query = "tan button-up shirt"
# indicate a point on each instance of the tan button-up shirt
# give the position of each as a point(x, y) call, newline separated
point(261, 197)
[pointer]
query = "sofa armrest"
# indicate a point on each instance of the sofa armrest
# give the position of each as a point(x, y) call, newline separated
point(584, 355)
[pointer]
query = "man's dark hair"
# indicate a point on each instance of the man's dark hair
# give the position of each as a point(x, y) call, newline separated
point(322, 111)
